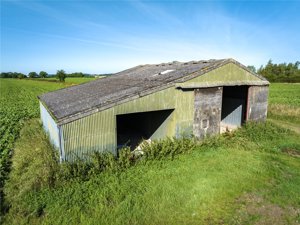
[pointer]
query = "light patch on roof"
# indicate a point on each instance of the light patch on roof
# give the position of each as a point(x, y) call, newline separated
point(166, 71)
point(163, 72)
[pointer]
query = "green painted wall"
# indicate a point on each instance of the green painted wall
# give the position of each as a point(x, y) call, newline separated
point(227, 73)
point(97, 132)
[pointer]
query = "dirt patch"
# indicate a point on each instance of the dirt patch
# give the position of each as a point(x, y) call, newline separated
point(256, 210)
point(291, 151)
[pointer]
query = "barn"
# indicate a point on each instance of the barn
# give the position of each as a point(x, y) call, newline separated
point(199, 98)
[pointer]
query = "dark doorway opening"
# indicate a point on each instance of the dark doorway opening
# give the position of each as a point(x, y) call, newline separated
point(135, 127)
point(234, 105)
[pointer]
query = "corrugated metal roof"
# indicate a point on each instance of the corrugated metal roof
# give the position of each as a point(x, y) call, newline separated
point(85, 99)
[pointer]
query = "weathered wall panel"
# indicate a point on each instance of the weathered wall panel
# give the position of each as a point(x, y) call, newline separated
point(227, 75)
point(257, 103)
point(208, 104)
point(98, 131)
point(50, 126)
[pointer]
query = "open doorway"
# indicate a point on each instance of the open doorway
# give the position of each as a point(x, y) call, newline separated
point(134, 127)
point(234, 105)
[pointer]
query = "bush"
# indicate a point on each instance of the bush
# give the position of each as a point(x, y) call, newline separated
point(61, 75)
point(170, 147)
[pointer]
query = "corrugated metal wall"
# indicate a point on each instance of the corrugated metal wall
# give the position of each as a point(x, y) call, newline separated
point(235, 113)
point(50, 126)
point(98, 131)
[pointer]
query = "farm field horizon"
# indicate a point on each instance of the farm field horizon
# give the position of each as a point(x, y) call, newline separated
point(219, 181)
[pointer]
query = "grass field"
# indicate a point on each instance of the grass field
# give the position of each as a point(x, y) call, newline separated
point(285, 94)
point(251, 176)
point(284, 105)
point(18, 102)
point(68, 80)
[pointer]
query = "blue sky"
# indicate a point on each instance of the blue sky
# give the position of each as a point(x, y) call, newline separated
point(109, 36)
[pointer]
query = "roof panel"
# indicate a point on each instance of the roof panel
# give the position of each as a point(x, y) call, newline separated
point(96, 94)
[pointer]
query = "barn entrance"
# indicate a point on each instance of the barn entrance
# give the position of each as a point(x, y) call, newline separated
point(134, 127)
point(234, 105)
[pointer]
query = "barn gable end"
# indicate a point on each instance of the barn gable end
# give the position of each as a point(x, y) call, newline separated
point(228, 75)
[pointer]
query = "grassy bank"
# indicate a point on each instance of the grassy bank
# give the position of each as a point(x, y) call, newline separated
point(218, 181)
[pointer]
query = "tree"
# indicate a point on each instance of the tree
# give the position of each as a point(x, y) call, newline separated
point(282, 72)
point(61, 75)
point(32, 75)
point(252, 68)
point(43, 74)
point(21, 75)
point(76, 74)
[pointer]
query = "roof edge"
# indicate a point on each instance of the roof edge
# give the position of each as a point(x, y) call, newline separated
point(79, 115)
point(222, 63)
point(174, 83)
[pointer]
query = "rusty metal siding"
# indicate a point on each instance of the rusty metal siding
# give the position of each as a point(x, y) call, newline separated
point(207, 118)
point(50, 126)
point(257, 103)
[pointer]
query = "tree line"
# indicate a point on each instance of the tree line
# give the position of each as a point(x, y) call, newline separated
point(60, 75)
point(282, 72)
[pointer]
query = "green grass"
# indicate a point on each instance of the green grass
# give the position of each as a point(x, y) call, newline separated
point(285, 93)
point(284, 103)
point(209, 185)
point(246, 177)
point(68, 80)
point(18, 103)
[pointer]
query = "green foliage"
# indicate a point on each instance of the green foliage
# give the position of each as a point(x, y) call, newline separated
point(168, 148)
point(61, 75)
point(12, 75)
point(43, 74)
point(32, 75)
point(282, 72)
point(21, 76)
point(252, 68)
point(76, 74)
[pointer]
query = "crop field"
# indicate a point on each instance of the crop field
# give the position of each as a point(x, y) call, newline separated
point(218, 181)
point(18, 102)
point(68, 80)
